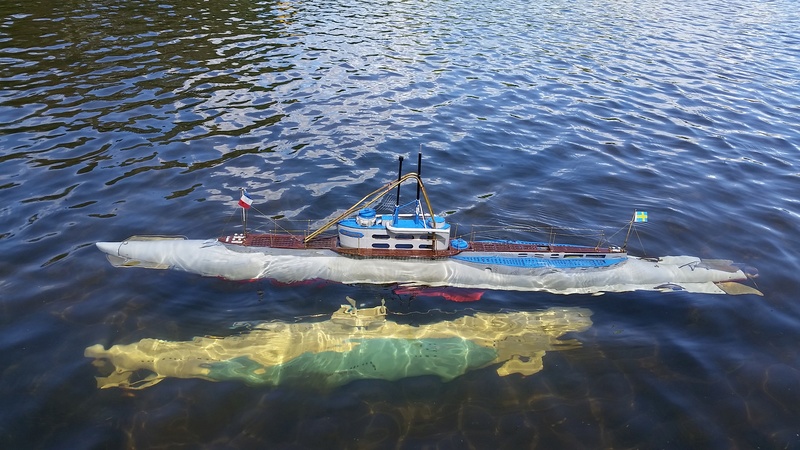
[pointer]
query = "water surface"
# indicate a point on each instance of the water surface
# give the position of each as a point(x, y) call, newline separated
point(141, 117)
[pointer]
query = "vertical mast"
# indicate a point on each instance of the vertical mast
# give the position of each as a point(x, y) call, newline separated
point(399, 175)
point(397, 200)
point(419, 173)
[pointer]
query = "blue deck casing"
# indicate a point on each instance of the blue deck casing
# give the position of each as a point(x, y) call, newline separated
point(535, 263)
point(514, 242)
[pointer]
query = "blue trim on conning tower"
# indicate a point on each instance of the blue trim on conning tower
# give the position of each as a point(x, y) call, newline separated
point(536, 263)
point(352, 234)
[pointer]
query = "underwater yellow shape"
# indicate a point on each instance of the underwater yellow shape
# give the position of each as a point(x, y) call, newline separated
point(519, 340)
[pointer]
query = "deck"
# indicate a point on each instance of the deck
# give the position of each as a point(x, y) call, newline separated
point(288, 241)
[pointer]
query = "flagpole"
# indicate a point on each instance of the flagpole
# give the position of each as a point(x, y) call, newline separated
point(244, 215)
point(638, 216)
point(628, 234)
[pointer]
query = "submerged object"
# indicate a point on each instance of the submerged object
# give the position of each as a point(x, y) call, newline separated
point(419, 249)
point(354, 344)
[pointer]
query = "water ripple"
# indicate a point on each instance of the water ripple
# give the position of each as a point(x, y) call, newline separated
point(121, 118)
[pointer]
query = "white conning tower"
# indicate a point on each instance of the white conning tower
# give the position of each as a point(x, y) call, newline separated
point(394, 231)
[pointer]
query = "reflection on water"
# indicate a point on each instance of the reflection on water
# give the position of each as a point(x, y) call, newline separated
point(354, 344)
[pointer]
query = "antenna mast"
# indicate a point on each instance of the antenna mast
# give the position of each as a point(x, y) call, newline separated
point(399, 175)
point(419, 172)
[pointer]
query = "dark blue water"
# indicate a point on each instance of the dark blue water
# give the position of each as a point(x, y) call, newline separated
point(141, 117)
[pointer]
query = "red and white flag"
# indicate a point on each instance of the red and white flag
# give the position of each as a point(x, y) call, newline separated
point(245, 201)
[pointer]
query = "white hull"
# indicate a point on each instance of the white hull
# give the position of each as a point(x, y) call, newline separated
point(235, 262)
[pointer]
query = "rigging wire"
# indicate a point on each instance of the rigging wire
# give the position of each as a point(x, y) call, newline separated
point(484, 231)
point(277, 225)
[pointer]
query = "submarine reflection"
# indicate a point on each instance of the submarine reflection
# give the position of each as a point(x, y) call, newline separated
point(354, 344)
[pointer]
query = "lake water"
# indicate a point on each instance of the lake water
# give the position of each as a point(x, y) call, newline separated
point(146, 117)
